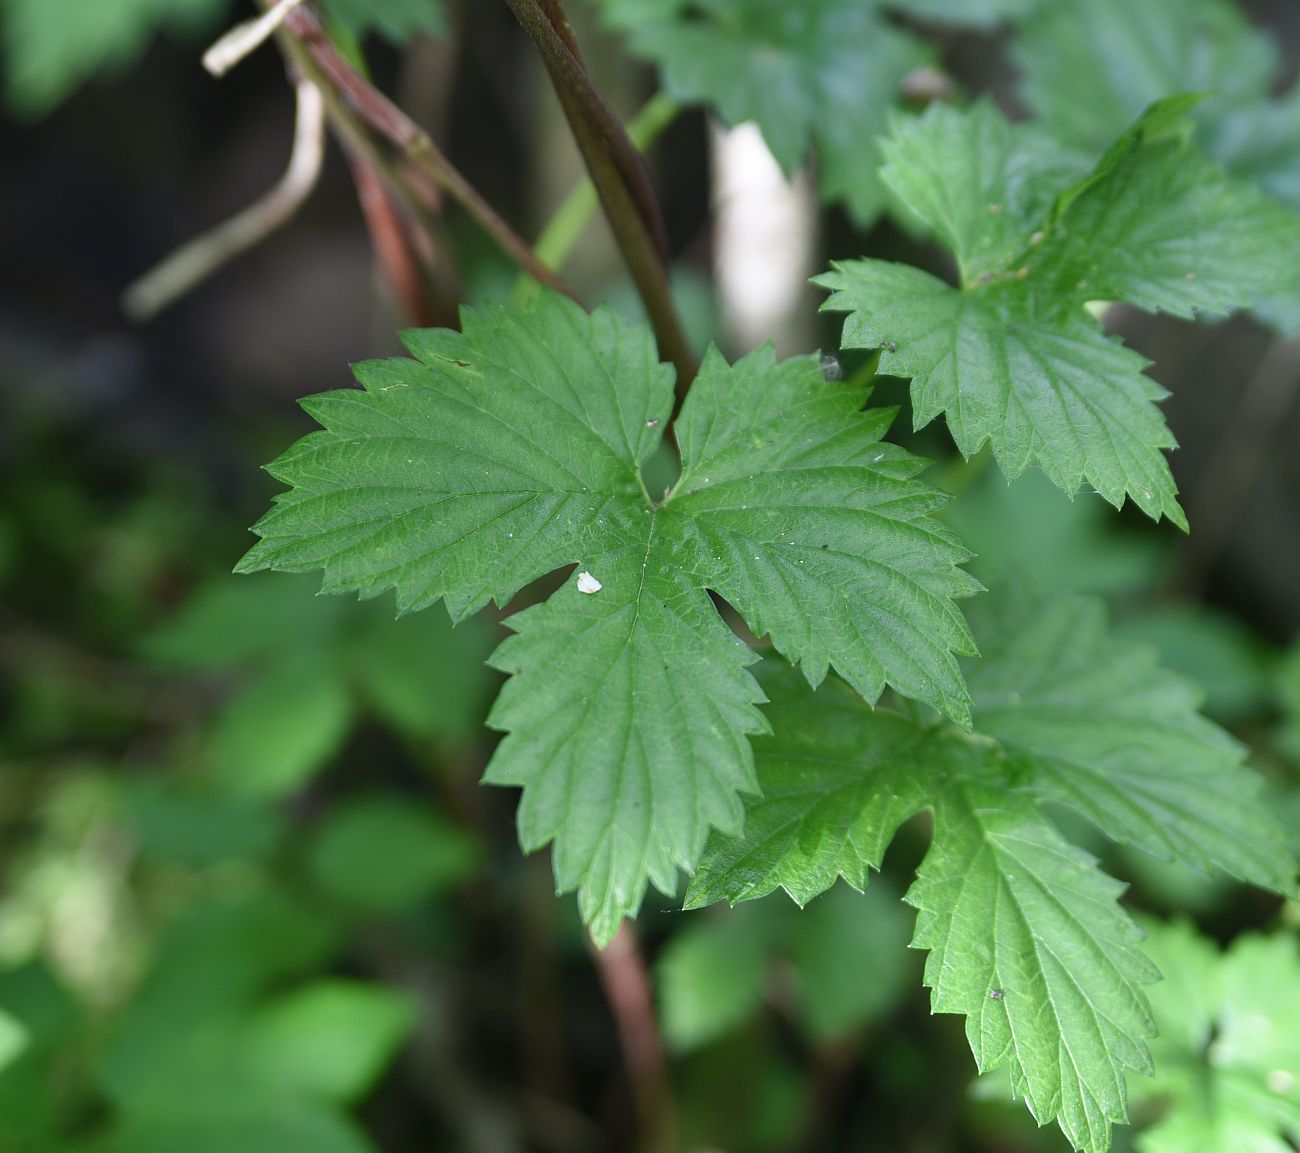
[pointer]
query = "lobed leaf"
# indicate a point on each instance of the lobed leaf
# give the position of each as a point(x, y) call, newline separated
point(515, 448)
point(1026, 937)
point(1012, 358)
point(1088, 68)
point(1095, 723)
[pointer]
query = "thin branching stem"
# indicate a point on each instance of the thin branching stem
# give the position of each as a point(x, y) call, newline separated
point(309, 46)
point(626, 983)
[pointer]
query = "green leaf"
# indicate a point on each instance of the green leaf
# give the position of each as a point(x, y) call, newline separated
point(209, 970)
point(514, 449)
point(1027, 939)
point(328, 1041)
point(281, 728)
point(1260, 142)
point(52, 46)
point(395, 20)
point(420, 675)
point(172, 821)
point(712, 976)
point(834, 792)
point(719, 968)
point(238, 1127)
point(834, 999)
point(387, 854)
point(1214, 649)
point(1025, 934)
point(1228, 1058)
point(312, 661)
point(1012, 357)
point(227, 624)
point(1087, 68)
point(1095, 723)
point(1032, 532)
point(821, 72)
point(15, 1038)
point(1001, 895)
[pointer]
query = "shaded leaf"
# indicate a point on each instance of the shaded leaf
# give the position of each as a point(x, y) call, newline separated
point(515, 448)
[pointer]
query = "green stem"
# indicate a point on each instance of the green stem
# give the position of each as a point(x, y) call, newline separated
point(561, 235)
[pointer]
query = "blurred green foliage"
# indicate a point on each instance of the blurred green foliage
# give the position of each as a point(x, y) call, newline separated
point(252, 899)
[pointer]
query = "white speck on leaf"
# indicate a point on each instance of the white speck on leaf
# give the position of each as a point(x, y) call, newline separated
point(588, 584)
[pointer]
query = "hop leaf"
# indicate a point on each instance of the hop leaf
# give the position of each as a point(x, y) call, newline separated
point(1090, 66)
point(514, 449)
point(1025, 936)
point(1027, 939)
point(1012, 357)
point(1096, 724)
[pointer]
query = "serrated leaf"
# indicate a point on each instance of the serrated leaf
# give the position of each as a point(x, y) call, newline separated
point(1095, 723)
point(1011, 357)
point(1087, 68)
point(1059, 394)
point(516, 448)
point(821, 72)
point(1027, 939)
point(1227, 1058)
point(1026, 936)
point(834, 792)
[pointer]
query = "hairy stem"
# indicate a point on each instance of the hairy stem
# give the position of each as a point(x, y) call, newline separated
point(618, 173)
point(305, 41)
point(626, 982)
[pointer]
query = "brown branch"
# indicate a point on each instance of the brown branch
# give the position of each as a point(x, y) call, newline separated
point(308, 45)
point(393, 241)
point(623, 976)
point(572, 72)
point(417, 269)
point(619, 174)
